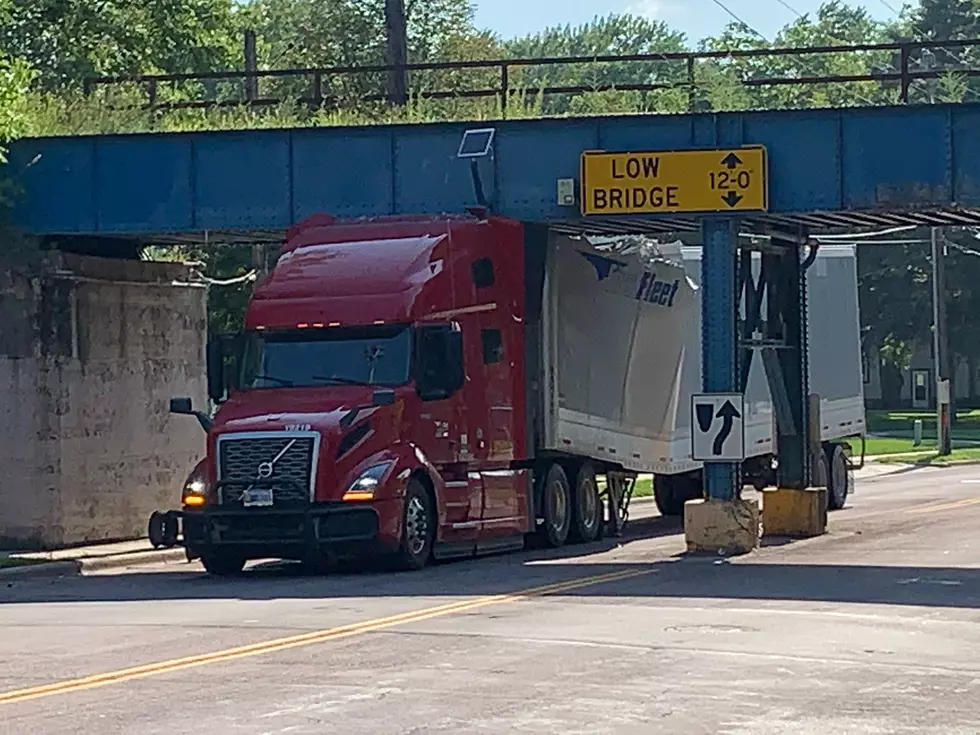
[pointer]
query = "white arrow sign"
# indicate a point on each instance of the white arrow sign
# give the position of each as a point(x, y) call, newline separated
point(718, 427)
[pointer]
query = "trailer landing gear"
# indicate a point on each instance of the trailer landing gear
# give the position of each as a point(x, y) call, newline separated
point(619, 492)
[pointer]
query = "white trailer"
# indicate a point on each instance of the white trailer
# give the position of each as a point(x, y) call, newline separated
point(621, 349)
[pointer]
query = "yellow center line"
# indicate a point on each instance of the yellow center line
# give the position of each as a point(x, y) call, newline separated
point(951, 505)
point(304, 639)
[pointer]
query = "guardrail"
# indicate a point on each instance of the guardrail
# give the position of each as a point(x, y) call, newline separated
point(906, 66)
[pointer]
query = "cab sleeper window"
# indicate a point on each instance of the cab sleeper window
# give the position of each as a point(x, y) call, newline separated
point(493, 346)
point(483, 276)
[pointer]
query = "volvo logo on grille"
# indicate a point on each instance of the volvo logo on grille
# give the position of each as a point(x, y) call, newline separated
point(265, 470)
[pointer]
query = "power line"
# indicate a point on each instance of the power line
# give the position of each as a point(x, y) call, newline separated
point(879, 233)
point(877, 242)
point(847, 236)
point(891, 7)
point(916, 30)
point(728, 10)
point(790, 8)
point(752, 30)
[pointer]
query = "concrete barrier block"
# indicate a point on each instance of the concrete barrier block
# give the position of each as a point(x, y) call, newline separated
point(731, 527)
point(794, 513)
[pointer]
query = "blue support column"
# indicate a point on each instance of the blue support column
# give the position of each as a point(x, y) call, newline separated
point(719, 336)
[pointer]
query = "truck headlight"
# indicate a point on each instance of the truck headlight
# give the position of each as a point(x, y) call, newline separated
point(195, 491)
point(366, 484)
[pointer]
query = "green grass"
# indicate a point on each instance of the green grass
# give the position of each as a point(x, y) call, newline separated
point(879, 446)
point(643, 487)
point(934, 460)
point(891, 432)
point(121, 108)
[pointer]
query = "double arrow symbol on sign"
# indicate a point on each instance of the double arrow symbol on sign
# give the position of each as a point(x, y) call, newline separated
point(732, 198)
point(731, 162)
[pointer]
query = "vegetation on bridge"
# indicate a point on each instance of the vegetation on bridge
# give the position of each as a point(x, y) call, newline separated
point(48, 48)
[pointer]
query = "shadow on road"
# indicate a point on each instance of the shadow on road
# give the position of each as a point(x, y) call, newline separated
point(679, 576)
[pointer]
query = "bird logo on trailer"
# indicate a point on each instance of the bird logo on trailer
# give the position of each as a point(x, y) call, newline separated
point(649, 288)
point(604, 267)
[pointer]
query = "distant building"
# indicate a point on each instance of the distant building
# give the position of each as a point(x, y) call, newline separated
point(917, 382)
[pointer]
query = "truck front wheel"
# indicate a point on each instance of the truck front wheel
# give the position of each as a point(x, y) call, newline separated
point(668, 496)
point(418, 528)
point(556, 507)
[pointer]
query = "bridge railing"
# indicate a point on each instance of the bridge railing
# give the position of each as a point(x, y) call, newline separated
point(901, 72)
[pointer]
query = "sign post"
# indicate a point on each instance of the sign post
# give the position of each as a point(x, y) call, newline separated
point(674, 182)
point(719, 358)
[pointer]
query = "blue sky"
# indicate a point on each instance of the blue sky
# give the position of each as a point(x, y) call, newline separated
point(696, 18)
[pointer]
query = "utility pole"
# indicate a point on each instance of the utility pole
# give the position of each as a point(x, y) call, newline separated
point(940, 344)
point(396, 25)
point(251, 65)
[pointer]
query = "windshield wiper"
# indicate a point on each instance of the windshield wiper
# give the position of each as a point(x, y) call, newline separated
point(342, 380)
point(273, 379)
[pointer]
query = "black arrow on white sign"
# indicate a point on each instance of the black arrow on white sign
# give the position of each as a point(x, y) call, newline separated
point(727, 413)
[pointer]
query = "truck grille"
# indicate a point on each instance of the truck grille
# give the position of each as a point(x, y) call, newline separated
point(291, 457)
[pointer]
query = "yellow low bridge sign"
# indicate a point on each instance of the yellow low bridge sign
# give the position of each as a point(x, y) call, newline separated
point(675, 182)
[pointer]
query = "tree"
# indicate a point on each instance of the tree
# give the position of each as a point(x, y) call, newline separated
point(834, 24)
point(942, 20)
point(344, 33)
point(68, 40)
point(605, 36)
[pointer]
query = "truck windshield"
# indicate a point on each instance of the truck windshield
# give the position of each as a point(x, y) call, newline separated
point(379, 355)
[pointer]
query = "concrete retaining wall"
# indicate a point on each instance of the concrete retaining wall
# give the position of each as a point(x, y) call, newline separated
point(91, 350)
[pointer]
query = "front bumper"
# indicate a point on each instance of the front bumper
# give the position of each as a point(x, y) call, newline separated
point(327, 529)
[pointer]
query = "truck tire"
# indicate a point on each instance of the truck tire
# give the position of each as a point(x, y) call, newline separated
point(222, 564)
point(587, 511)
point(418, 528)
point(556, 502)
point(667, 495)
point(838, 477)
point(154, 529)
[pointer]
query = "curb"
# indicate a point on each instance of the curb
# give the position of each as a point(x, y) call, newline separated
point(75, 567)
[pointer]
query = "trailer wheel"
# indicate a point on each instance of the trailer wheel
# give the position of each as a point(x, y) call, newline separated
point(666, 493)
point(587, 511)
point(838, 477)
point(556, 507)
point(223, 564)
point(418, 528)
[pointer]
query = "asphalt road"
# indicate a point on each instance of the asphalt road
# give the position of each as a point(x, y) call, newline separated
point(873, 628)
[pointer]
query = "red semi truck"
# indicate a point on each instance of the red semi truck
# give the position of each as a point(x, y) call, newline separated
point(432, 387)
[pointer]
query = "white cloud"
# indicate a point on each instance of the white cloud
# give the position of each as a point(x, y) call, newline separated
point(652, 9)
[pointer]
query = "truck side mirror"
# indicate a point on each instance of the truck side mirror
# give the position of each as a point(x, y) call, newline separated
point(439, 362)
point(183, 406)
